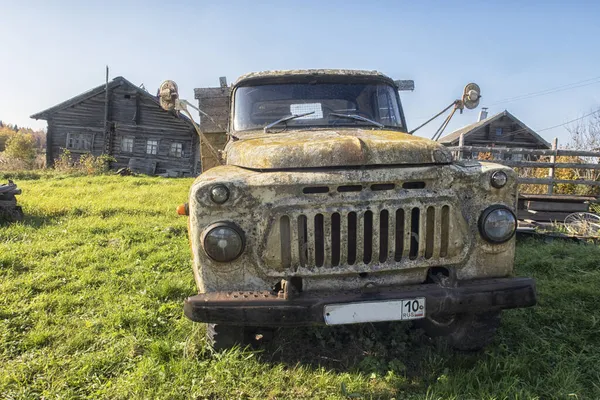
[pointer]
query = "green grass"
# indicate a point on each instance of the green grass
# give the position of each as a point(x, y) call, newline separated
point(91, 291)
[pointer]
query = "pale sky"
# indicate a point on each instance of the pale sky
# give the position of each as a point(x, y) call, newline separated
point(53, 50)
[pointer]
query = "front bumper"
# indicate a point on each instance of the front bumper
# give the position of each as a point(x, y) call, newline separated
point(267, 309)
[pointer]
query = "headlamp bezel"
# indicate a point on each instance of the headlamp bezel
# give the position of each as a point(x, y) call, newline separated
point(485, 214)
point(224, 224)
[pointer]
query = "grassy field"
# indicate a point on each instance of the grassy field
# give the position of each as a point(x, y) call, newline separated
point(91, 291)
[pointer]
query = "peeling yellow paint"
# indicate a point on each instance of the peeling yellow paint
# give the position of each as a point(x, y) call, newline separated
point(332, 148)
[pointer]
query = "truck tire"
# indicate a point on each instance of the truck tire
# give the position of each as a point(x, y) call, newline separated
point(223, 337)
point(464, 332)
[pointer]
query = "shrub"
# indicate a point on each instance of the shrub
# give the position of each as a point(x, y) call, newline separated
point(87, 163)
point(21, 148)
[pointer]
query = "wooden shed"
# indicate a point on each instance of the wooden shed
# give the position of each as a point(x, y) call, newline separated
point(125, 121)
point(501, 130)
point(215, 104)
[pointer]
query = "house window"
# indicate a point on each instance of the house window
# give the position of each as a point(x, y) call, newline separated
point(79, 141)
point(176, 150)
point(517, 157)
point(498, 131)
point(152, 147)
point(127, 145)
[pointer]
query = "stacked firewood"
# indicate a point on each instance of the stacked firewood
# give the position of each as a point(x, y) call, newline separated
point(9, 210)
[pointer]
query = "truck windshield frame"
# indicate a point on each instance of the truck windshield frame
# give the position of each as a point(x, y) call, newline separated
point(326, 105)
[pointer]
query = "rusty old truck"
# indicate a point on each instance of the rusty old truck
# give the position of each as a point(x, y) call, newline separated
point(324, 210)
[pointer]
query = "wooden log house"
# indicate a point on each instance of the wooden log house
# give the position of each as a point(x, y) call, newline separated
point(500, 130)
point(125, 121)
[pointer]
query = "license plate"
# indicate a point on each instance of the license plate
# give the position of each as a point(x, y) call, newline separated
point(374, 311)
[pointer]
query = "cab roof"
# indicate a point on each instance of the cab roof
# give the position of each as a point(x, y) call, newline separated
point(279, 76)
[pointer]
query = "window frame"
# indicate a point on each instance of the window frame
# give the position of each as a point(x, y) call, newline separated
point(123, 140)
point(76, 141)
point(178, 153)
point(154, 147)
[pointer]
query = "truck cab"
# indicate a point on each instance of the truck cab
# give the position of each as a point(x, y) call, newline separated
point(326, 211)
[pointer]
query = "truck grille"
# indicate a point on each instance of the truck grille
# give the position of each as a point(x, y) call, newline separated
point(366, 237)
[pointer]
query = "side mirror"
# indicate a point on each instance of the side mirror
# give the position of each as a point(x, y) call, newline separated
point(405, 85)
point(471, 96)
point(168, 93)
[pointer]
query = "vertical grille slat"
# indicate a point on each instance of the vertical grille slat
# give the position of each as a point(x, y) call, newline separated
point(295, 256)
point(407, 233)
point(422, 231)
point(327, 240)
point(391, 235)
point(365, 237)
point(360, 243)
point(376, 236)
point(344, 239)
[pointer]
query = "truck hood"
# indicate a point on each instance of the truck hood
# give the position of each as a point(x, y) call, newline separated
point(333, 148)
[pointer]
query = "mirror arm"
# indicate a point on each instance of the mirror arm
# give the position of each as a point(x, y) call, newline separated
point(454, 103)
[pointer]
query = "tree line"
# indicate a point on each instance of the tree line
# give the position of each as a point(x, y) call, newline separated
point(20, 145)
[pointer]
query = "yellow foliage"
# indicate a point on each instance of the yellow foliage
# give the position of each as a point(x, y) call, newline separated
point(561, 174)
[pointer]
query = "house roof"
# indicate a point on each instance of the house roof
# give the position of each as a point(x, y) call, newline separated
point(118, 81)
point(467, 130)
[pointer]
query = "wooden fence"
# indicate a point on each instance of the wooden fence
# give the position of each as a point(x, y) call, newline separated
point(498, 156)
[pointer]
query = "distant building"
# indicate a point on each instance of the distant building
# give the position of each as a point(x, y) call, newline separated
point(128, 124)
point(500, 130)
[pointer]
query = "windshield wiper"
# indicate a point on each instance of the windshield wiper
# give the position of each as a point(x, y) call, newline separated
point(358, 118)
point(287, 118)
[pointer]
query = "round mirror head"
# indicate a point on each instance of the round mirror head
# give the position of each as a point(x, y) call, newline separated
point(471, 95)
point(167, 94)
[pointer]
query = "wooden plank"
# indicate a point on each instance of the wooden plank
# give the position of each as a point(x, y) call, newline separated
point(535, 164)
point(551, 169)
point(557, 197)
point(557, 206)
point(545, 181)
point(542, 216)
point(517, 150)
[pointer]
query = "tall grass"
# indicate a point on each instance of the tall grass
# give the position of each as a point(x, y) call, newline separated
point(91, 291)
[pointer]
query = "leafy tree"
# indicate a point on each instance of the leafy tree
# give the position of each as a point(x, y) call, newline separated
point(21, 147)
point(5, 134)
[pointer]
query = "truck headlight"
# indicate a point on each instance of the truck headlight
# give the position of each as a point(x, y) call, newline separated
point(499, 179)
point(219, 194)
point(223, 242)
point(497, 224)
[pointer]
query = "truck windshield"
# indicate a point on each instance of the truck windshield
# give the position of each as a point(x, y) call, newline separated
point(324, 105)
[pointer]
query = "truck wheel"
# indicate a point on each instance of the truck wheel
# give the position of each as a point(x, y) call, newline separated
point(223, 337)
point(465, 332)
